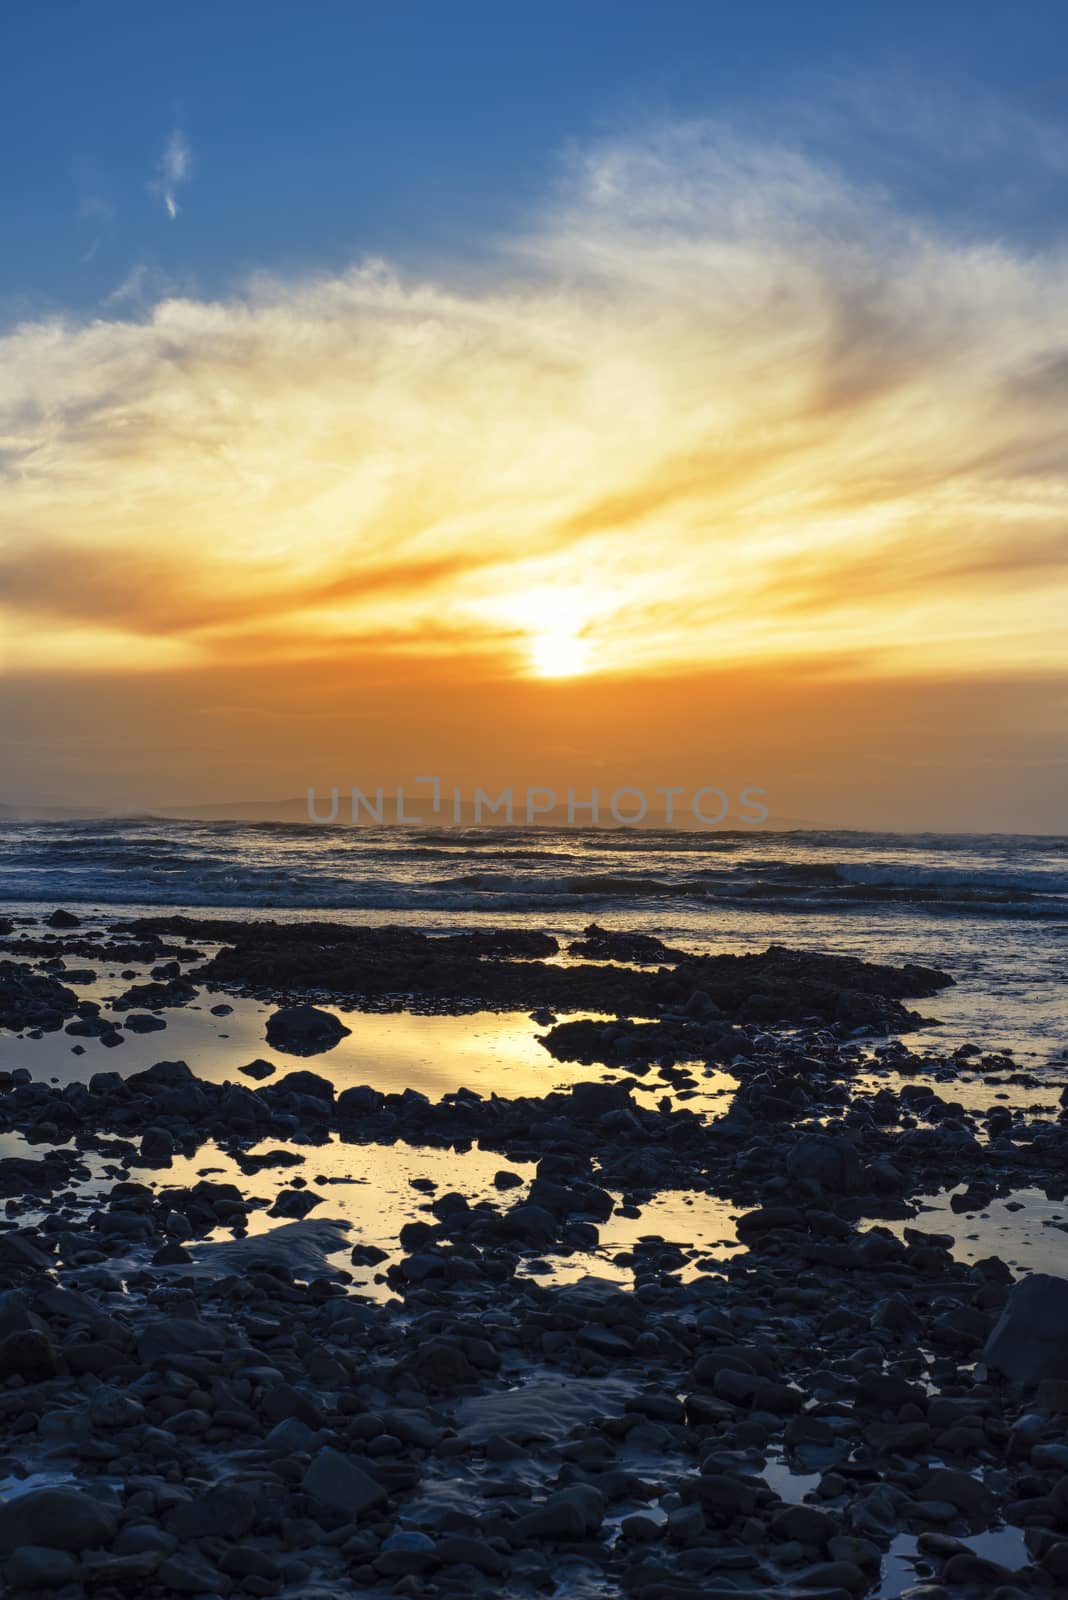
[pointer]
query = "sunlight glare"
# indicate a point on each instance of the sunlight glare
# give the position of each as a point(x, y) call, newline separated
point(558, 655)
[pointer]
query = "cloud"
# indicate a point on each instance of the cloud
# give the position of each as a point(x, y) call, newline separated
point(175, 168)
point(717, 405)
point(95, 209)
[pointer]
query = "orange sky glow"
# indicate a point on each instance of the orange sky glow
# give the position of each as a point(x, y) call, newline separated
point(672, 436)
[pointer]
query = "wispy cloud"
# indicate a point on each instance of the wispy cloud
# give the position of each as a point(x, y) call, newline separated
point(96, 209)
point(717, 405)
point(175, 169)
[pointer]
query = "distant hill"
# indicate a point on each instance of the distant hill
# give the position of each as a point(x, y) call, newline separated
point(419, 807)
point(296, 811)
point(29, 812)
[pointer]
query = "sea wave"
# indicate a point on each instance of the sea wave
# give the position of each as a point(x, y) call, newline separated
point(286, 866)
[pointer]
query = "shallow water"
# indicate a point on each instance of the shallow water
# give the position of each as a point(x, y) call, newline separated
point(903, 1566)
point(992, 910)
point(1026, 1229)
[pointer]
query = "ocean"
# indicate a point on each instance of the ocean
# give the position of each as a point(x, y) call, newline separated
point(990, 909)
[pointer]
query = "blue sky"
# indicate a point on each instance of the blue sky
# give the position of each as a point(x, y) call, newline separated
point(310, 135)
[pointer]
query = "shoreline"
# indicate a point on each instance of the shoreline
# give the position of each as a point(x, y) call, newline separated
point(673, 1315)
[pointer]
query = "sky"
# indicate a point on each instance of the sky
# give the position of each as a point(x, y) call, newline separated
point(564, 393)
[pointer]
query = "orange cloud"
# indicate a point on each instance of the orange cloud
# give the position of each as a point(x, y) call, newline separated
point(715, 408)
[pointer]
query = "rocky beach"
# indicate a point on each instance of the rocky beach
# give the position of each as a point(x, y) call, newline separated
point(732, 1276)
point(533, 845)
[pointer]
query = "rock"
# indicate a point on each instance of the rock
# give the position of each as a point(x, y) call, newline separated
point(311, 1084)
point(224, 1512)
point(543, 1408)
point(35, 1567)
point(304, 1030)
point(142, 1538)
point(295, 1203)
point(1055, 1561)
point(18, 1251)
point(15, 1314)
point(973, 1570)
point(301, 1248)
point(56, 1519)
point(244, 1561)
point(460, 1549)
point(1052, 1396)
point(282, 1402)
point(360, 1101)
point(143, 1022)
point(30, 1000)
point(180, 1336)
point(442, 1364)
point(1029, 1341)
point(569, 1513)
point(338, 1480)
point(828, 1160)
point(188, 1573)
point(291, 1437)
point(63, 919)
point(958, 1489)
point(531, 1224)
point(405, 1551)
point(258, 1069)
point(125, 1572)
point(830, 1575)
point(157, 1146)
point(725, 1496)
point(28, 1354)
point(807, 1524)
point(109, 1408)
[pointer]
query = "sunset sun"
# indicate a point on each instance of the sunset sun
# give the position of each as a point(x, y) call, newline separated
point(558, 655)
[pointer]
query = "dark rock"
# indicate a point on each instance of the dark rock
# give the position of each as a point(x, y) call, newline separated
point(41, 1570)
point(29, 1000)
point(28, 1354)
point(304, 1030)
point(340, 1481)
point(258, 1069)
point(828, 1160)
point(295, 1203)
point(807, 1524)
point(1030, 1339)
point(143, 1022)
point(224, 1512)
point(56, 1519)
point(157, 1146)
point(180, 1336)
point(310, 1084)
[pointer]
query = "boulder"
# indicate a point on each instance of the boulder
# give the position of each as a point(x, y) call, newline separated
point(304, 1030)
point(157, 1146)
point(1029, 1342)
point(63, 919)
point(40, 1570)
point(828, 1160)
point(180, 1336)
point(258, 1069)
point(312, 1084)
point(338, 1480)
point(28, 1354)
point(226, 1511)
point(55, 1519)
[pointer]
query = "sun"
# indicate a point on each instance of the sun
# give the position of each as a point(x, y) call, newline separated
point(550, 625)
point(558, 655)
